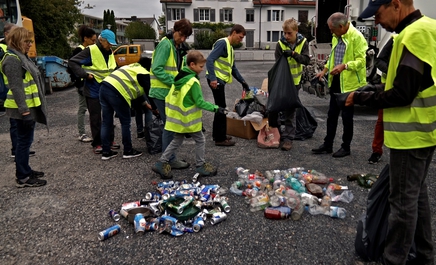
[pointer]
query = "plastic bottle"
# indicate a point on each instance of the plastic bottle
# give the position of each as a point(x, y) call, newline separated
point(258, 206)
point(235, 189)
point(296, 185)
point(274, 201)
point(316, 209)
point(346, 196)
point(277, 212)
point(326, 201)
point(309, 199)
point(318, 177)
point(297, 211)
point(337, 212)
point(314, 189)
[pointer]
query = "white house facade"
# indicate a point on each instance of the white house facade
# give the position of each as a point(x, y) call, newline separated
point(262, 19)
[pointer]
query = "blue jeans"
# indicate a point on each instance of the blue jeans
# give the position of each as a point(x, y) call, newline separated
point(13, 134)
point(24, 141)
point(139, 111)
point(167, 136)
point(410, 216)
point(111, 101)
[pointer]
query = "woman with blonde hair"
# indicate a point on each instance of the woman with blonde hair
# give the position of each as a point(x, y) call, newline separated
point(25, 102)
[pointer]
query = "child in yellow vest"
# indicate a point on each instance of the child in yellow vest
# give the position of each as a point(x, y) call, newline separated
point(183, 108)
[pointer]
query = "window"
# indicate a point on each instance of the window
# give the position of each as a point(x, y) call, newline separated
point(303, 16)
point(133, 49)
point(122, 50)
point(275, 15)
point(204, 14)
point(273, 36)
point(249, 15)
point(176, 14)
point(228, 15)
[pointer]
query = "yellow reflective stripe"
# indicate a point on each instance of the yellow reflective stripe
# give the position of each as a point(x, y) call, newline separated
point(224, 62)
point(178, 109)
point(184, 124)
point(424, 102)
point(222, 71)
point(409, 127)
point(170, 68)
point(132, 81)
point(28, 84)
point(28, 96)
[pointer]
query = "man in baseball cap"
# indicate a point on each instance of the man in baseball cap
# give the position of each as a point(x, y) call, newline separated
point(109, 36)
point(372, 8)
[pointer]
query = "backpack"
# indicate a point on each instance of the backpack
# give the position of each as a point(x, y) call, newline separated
point(372, 227)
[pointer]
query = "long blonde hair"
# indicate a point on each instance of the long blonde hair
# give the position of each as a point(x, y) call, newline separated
point(16, 36)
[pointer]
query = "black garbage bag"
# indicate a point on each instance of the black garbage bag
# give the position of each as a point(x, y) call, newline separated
point(258, 104)
point(306, 124)
point(283, 94)
point(372, 228)
point(153, 136)
point(241, 107)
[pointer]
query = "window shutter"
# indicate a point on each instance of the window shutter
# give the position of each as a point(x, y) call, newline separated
point(269, 15)
point(169, 14)
point(230, 15)
point(182, 13)
point(221, 15)
point(212, 15)
point(196, 15)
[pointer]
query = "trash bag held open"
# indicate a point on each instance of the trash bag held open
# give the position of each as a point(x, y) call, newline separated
point(283, 94)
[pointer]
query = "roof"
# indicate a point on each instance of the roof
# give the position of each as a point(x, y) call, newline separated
point(177, 1)
point(285, 2)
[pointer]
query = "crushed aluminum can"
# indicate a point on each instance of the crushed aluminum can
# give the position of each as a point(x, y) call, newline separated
point(114, 215)
point(195, 177)
point(224, 204)
point(110, 232)
point(139, 223)
point(218, 218)
point(198, 224)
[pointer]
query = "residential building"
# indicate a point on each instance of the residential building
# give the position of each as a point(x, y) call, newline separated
point(151, 21)
point(262, 19)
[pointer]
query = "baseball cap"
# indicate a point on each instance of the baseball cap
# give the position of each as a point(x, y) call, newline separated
point(109, 36)
point(372, 8)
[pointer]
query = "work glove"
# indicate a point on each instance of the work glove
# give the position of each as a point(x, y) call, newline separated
point(28, 122)
point(222, 110)
point(368, 87)
point(288, 53)
point(341, 98)
point(245, 86)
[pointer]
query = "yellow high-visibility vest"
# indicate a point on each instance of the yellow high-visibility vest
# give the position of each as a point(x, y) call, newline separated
point(99, 69)
point(295, 67)
point(223, 65)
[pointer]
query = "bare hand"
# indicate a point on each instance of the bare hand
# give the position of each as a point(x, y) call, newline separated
point(213, 84)
point(350, 101)
point(337, 69)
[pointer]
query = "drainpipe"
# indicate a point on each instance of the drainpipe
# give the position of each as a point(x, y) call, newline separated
point(260, 25)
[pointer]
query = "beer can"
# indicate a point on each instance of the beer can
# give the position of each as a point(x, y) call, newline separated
point(114, 215)
point(139, 223)
point(224, 205)
point(110, 232)
point(218, 218)
point(198, 224)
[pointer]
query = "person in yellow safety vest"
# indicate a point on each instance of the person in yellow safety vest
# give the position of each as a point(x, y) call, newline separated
point(295, 47)
point(166, 62)
point(25, 103)
point(88, 37)
point(117, 92)
point(184, 104)
point(93, 64)
point(346, 69)
point(409, 120)
point(221, 68)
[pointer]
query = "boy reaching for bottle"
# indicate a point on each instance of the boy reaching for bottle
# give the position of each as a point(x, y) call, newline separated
point(183, 108)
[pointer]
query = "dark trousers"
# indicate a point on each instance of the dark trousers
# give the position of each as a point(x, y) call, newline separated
point(24, 141)
point(333, 116)
point(94, 109)
point(410, 216)
point(219, 129)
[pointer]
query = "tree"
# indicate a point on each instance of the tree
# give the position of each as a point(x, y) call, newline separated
point(109, 19)
point(162, 23)
point(53, 22)
point(139, 30)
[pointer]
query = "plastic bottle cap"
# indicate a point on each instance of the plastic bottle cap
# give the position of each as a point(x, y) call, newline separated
point(331, 179)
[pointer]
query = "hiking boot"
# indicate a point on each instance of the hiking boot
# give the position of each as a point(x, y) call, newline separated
point(140, 135)
point(37, 174)
point(206, 170)
point(132, 153)
point(31, 153)
point(85, 138)
point(108, 155)
point(31, 182)
point(98, 149)
point(163, 169)
point(322, 149)
point(375, 158)
point(287, 145)
point(225, 143)
point(115, 146)
point(179, 164)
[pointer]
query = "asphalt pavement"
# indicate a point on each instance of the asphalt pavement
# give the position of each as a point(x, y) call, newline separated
point(59, 223)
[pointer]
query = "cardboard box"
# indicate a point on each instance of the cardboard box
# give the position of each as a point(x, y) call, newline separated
point(241, 129)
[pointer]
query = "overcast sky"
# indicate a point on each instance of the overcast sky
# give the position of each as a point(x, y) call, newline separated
point(124, 8)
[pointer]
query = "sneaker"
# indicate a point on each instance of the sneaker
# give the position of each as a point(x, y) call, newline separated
point(140, 135)
point(31, 182)
point(179, 164)
point(206, 170)
point(225, 143)
point(85, 138)
point(375, 158)
point(37, 174)
point(132, 153)
point(109, 155)
point(98, 149)
point(287, 145)
point(163, 169)
point(31, 153)
point(115, 146)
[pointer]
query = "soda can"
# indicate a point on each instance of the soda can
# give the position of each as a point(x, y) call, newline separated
point(218, 218)
point(114, 215)
point(195, 177)
point(224, 205)
point(139, 223)
point(198, 224)
point(110, 232)
point(150, 226)
point(152, 196)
